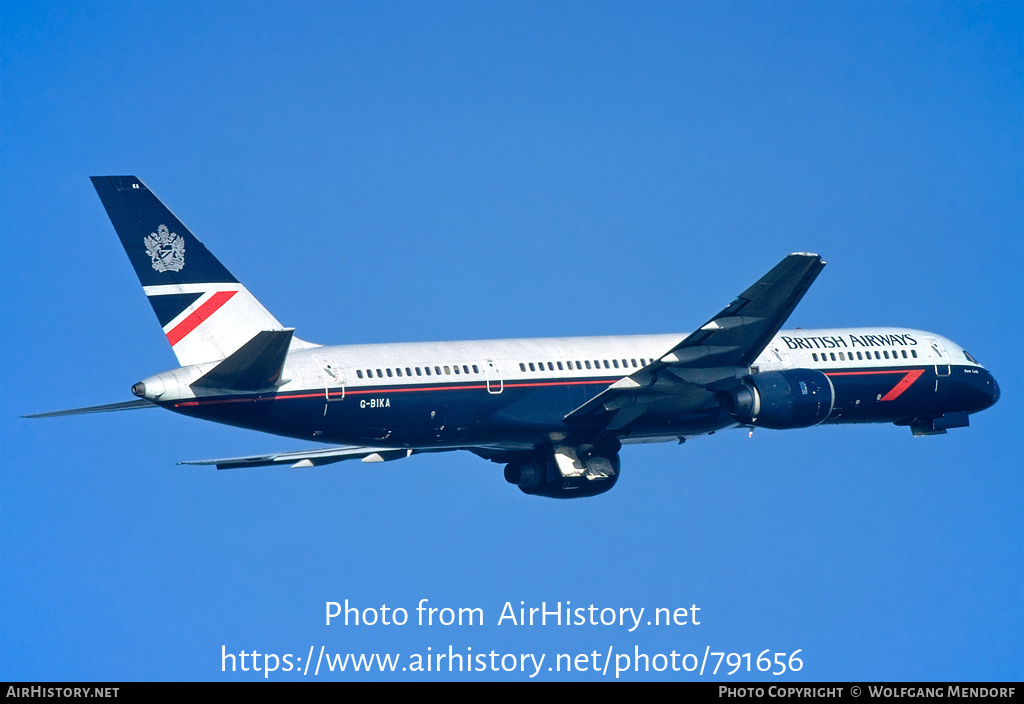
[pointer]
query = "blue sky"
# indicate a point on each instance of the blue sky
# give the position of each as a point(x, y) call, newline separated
point(433, 171)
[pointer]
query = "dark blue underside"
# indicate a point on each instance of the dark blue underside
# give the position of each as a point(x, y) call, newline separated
point(466, 413)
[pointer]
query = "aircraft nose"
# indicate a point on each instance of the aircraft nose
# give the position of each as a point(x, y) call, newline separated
point(986, 390)
point(993, 390)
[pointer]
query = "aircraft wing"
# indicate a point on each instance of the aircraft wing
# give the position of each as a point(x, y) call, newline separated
point(309, 458)
point(329, 455)
point(715, 355)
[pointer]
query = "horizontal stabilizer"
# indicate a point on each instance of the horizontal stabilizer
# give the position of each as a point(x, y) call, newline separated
point(123, 406)
point(255, 365)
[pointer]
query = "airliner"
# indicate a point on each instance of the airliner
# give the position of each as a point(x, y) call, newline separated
point(554, 411)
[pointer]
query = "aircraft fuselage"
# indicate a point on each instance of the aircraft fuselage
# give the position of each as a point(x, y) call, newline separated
point(481, 392)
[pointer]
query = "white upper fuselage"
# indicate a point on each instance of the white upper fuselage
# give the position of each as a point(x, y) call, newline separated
point(576, 357)
point(521, 359)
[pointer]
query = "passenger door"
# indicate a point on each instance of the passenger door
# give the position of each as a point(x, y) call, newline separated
point(495, 384)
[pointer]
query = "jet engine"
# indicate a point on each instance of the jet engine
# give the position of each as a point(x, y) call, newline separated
point(794, 398)
point(565, 472)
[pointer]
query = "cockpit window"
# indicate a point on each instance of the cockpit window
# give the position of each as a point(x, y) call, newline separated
point(969, 357)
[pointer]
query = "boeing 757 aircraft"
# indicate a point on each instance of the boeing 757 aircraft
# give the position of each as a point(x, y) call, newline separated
point(554, 411)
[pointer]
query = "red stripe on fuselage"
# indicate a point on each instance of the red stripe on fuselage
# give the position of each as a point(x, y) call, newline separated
point(910, 376)
point(198, 316)
point(903, 384)
point(381, 390)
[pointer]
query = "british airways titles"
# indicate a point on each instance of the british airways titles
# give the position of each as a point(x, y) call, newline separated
point(834, 341)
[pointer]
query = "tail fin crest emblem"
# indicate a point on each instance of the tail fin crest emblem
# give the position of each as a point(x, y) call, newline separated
point(166, 249)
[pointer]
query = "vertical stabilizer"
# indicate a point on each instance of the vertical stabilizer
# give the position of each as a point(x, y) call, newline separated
point(205, 312)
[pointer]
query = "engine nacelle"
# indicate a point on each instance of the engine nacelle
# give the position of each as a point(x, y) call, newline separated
point(566, 472)
point(794, 398)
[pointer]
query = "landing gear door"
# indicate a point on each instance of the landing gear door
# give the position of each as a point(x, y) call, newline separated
point(495, 384)
point(334, 378)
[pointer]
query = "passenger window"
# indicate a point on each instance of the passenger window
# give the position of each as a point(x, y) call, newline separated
point(437, 370)
point(531, 367)
point(447, 369)
point(832, 355)
point(814, 356)
point(380, 374)
point(418, 372)
point(456, 369)
point(606, 366)
point(586, 363)
point(551, 367)
point(913, 353)
point(398, 371)
point(427, 370)
point(476, 369)
point(388, 371)
point(560, 366)
point(634, 362)
point(359, 373)
point(522, 367)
